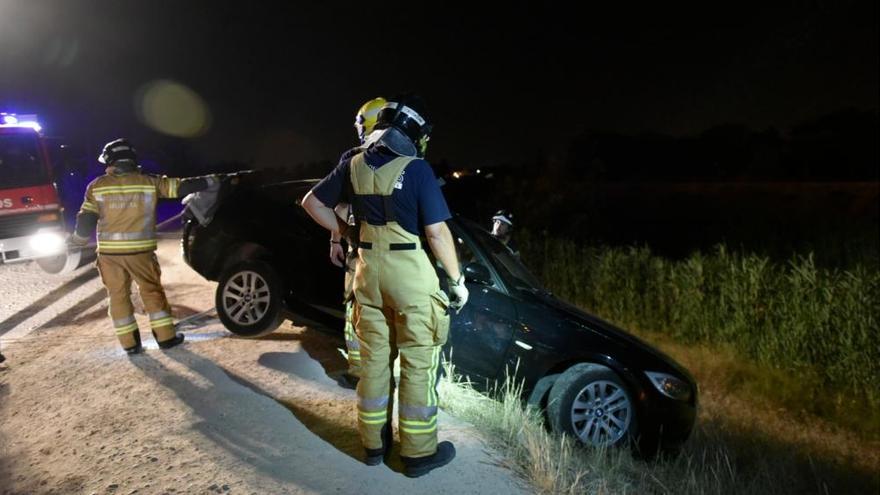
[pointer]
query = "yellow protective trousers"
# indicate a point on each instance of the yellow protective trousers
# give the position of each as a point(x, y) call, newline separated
point(117, 272)
point(352, 345)
point(399, 309)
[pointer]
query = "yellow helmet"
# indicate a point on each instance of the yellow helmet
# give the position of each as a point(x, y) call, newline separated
point(366, 117)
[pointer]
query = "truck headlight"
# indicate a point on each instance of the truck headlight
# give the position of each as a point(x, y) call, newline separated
point(669, 385)
point(47, 243)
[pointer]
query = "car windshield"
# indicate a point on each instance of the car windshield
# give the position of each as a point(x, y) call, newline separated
point(508, 264)
point(20, 164)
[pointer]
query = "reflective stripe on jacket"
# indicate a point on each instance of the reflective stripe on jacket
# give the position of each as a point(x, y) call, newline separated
point(126, 208)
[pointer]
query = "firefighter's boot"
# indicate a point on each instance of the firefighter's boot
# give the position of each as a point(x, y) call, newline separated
point(137, 348)
point(420, 466)
point(168, 344)
point(374, 457)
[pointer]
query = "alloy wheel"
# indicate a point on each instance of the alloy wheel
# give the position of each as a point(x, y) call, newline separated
point(601, 413)
point(246, 297)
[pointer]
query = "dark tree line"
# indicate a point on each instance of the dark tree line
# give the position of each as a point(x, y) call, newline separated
point(842, 146)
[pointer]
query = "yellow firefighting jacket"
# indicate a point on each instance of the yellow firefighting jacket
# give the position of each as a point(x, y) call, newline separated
point(126, 208)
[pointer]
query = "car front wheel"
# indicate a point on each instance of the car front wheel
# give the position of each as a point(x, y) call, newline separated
point(249, 299)
point(592, 404)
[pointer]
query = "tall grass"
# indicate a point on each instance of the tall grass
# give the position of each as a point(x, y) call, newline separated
point(816, 322)
point(717, 459)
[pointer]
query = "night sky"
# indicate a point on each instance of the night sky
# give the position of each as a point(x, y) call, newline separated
point(282, 84)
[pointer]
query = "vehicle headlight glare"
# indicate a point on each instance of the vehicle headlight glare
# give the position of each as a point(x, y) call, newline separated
point(669, 385)
point(47, 243)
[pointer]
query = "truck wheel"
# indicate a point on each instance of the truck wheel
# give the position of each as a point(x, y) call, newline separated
point(249, 299)
point(61, 264)
point(592, 404)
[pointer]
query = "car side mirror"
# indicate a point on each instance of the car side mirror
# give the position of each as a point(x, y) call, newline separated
point(477, 273)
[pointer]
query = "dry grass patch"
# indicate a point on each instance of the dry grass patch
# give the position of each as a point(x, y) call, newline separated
point(722, 456)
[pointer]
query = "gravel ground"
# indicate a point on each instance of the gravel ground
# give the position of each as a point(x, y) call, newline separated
point(24, 283)
point(217, 415)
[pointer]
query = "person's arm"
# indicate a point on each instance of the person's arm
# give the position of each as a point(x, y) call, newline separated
point(173, 187)
point(442, 245)
point(337, 255)
point(86, 220)
point(323, 198)
point(341, 212)
point(322, 214)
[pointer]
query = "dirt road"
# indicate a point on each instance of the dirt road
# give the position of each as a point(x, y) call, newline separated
point(217, 415)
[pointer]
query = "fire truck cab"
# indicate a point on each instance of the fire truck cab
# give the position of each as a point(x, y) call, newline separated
point(31, 213)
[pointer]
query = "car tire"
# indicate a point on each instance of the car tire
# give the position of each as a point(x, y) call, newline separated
point(592, 404)
point(249, 299)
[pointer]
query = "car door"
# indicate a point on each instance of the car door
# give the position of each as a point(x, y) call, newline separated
point(481, 333)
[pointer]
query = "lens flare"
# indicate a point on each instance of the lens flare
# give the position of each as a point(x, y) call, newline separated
point(172, 108)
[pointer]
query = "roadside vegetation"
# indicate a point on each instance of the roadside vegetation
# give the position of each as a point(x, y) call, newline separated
point(724, 455)
point(808, 334)
point(786, 355)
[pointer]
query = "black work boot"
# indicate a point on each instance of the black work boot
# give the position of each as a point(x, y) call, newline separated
point(420, 466)
point(374, 457)
point(134, 350)
point(137, 348)
point(168, 344)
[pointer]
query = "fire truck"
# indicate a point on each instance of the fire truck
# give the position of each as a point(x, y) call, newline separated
point(32, 223)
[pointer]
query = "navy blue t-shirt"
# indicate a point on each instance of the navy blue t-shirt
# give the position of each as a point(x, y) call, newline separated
point(417, 200)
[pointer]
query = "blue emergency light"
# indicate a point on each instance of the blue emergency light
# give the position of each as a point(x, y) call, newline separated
point(14, 120)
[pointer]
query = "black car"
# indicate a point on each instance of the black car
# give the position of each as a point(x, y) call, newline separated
point(592, 379)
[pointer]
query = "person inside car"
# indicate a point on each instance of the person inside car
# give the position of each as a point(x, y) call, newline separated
point(502, 229)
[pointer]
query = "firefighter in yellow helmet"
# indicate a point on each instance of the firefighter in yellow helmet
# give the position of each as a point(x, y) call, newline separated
point(364, 121)
point(399, 306)
point(122, 206)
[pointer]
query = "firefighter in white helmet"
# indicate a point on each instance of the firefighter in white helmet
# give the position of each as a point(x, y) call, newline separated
point(121, 205)
point(399, 306)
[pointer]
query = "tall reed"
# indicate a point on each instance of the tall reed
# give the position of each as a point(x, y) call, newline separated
point(794, 316)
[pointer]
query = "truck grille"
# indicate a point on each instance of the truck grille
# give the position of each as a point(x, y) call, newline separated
point(20, 225)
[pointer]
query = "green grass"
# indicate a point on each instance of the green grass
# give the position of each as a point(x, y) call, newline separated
point(817, 324)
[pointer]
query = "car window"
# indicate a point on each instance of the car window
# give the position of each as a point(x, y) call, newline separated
point(465, 251)
point(468, 252)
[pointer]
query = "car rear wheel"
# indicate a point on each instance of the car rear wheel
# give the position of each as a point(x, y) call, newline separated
point(249, 299)
point(592, 404)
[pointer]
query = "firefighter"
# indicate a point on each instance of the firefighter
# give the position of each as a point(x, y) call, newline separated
point(122, 206)
point(364, 121)
point(399, 306)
